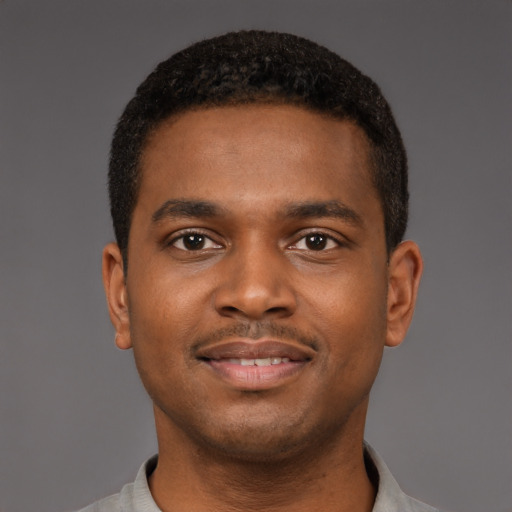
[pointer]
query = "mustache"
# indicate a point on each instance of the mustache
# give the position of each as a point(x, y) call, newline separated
point(256, 331)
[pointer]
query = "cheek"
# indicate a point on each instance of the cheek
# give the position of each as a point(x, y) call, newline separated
point(161, 320)
point(350, 315)
point(159, 329)
point(350, 301)
point(164, 302)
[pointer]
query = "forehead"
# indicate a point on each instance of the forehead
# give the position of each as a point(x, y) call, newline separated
point(257, 146)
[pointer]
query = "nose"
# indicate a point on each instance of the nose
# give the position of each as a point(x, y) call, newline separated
point(255, 284)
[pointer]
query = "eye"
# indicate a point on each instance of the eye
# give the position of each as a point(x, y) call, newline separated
point(194, 242)
point(316, 242)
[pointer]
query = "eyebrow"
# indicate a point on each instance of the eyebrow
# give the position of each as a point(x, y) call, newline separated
point(304, 210)
point(318, 209)
point(186, 208)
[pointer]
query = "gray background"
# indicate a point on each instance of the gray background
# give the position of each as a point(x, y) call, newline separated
point(75, 422)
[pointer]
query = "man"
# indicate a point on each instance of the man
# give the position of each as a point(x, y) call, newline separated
point(258, 188)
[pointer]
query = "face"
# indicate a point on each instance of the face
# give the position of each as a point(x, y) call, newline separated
point(257, 296)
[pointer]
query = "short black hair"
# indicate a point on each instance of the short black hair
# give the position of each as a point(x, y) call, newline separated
point(251, 67)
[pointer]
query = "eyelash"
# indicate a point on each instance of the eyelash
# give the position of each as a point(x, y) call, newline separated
point(334, 242)
point(191, 233)
point(331, 242)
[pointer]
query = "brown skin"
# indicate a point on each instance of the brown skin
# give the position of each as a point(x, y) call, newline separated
point(297, 444)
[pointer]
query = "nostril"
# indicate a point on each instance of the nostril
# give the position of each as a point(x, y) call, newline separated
point(277, 309)
point(230, 309)
point(254, 299)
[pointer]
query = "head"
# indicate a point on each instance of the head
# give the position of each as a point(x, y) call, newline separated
point(258, 187)
point(259, 67)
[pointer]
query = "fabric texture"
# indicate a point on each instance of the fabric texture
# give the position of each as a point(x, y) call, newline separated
point(136, 496)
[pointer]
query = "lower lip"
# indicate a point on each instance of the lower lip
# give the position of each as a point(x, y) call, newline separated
point(254, 378)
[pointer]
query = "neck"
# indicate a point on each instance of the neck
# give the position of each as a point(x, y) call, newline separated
point(197, 478)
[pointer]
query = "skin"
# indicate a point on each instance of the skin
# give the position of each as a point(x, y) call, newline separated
point(285, 245)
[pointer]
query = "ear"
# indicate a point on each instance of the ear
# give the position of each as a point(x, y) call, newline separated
point(404, 274)
point(115, 290)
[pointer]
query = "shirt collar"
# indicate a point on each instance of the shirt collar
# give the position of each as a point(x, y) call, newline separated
point(390, 497)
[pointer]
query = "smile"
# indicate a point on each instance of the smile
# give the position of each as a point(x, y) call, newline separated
point(267, 361)
point(256, 365)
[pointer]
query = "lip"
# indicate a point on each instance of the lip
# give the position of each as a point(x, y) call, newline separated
point(219, 358)
point(255, 349)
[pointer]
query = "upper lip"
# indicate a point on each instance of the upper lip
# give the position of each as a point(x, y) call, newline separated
point(255, 349)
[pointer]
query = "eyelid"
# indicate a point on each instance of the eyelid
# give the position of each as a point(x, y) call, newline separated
point(181, 234)
point(337, 239)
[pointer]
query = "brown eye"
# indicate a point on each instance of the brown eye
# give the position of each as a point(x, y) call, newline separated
point(316, 242)
point(194, 242)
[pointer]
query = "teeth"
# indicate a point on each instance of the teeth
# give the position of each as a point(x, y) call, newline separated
point(267, 361)
point(263, 362)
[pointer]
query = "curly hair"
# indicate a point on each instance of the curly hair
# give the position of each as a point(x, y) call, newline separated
point(251, 67)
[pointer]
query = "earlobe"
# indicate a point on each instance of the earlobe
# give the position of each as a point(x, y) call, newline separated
point(404, 274)
point(115, 290)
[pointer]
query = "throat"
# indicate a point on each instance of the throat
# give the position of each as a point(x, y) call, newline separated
point(285, 486)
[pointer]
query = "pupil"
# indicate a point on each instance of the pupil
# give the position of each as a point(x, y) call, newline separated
point(193, 242)
point(316, 242)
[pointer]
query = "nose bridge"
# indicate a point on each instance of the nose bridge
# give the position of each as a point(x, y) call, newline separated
point(255, 282)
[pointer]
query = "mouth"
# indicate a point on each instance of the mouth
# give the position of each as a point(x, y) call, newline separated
point(256, 365)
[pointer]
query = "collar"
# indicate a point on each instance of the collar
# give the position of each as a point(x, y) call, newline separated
point(390, 498)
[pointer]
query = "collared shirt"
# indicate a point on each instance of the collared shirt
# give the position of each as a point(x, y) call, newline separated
point(136, 497)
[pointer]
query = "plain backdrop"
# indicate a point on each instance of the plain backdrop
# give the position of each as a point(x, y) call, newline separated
point(75, 422)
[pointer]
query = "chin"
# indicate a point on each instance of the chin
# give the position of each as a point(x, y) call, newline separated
point(272, 441)
point(255, 447)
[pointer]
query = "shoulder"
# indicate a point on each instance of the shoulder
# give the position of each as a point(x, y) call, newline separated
point(390, 498)
point(109, 504)
point(133, 497)
point(418, 506)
